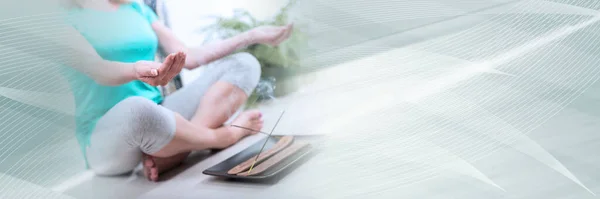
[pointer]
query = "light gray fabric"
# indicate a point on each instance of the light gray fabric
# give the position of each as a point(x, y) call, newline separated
point(134, 126)
point(240, 69)
point(137, 125)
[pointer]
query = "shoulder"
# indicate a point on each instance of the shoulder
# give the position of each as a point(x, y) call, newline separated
point(142, 9)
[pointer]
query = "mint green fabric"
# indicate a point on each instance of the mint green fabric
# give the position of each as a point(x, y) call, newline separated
point(124, 35)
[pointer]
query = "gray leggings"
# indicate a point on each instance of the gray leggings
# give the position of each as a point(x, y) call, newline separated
point(137, 125)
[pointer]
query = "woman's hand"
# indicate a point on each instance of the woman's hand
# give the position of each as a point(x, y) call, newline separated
point(270, 35)
point(157, 74)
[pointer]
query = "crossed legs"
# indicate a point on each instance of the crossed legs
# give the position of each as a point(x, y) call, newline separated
point(188, 120)
point(218, 102)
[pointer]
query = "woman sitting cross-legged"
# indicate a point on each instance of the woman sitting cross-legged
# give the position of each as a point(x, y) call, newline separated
point(122, 118)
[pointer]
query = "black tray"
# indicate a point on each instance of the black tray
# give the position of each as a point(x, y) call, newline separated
point(273, 173)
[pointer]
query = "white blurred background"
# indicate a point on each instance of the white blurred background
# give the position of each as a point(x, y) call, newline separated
point(187, 17)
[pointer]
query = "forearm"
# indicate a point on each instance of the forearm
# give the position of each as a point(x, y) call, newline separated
point(216, 50)
point(109, 73)
point(200, 55)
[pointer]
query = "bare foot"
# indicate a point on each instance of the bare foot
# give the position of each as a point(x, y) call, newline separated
point(251, 119)
point(153, 166)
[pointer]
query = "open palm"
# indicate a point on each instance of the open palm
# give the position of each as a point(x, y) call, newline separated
point(271, 35)
point(159, 74)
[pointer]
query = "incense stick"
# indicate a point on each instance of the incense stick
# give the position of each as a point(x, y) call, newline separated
point(248, 129)
point(264, 144)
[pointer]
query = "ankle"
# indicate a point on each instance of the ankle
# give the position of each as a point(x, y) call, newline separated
point(198, 139)
point(225, 137)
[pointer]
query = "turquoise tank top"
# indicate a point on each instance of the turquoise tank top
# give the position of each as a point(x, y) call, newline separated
point(124, 35)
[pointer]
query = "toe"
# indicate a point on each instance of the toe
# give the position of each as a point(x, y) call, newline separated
point(153, 174)
point(254, 114)
point(148, 162)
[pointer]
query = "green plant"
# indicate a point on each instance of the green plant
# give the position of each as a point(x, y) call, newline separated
point(287, 54)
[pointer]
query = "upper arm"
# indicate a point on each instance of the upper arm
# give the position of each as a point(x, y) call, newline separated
point(81, 54)
point(166, 39)
point(83, 57)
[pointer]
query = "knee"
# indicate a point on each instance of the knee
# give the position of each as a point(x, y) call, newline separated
point(248, 62)
point(138, 109)
point(145, 117)
point(135, 101)
point(245, 71)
